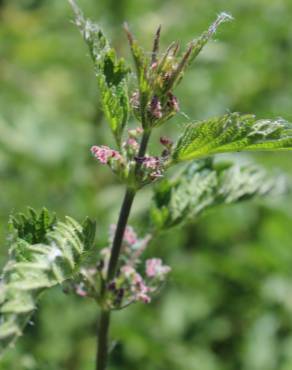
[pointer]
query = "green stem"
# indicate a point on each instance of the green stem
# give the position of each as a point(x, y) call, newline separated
point(118, 238)
point(143, 146)
point(101, 355)
point(104, 321)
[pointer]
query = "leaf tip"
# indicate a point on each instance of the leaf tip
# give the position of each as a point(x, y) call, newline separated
point(222, 17)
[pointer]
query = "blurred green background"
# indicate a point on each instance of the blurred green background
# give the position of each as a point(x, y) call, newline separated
point(228, 304)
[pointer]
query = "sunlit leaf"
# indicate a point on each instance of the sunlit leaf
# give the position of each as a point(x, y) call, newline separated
point(194, 49)
point(200, 42)
point(232, 133)
point(111, 73)
point(141, 61)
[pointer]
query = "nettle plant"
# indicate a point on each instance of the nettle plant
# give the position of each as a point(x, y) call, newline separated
point(46, 252)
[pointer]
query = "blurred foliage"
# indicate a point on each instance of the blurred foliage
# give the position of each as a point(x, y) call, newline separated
point(228, 304)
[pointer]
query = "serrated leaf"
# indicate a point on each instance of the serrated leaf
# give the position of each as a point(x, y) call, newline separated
point(194, 49)
point(232, 133)
point(111, 73)
point(200, 42)
point(44, 253)
point(203, 185)
point(33, 228)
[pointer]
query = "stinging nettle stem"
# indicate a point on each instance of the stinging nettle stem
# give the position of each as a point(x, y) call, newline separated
point(102, 352)
point(120, 230)
point(104, 321)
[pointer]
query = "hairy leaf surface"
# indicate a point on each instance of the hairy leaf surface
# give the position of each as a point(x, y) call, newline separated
point(141, 61)
point(200, 42)
point(111, 73)
point(232, 133)
point(203, 185)
point(44, 252)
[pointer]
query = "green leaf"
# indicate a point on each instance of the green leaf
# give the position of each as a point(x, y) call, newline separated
point(44, 252)
point(203, 185)
point(111, 73)
point(199, 43)
point(142, 62)
point(33, 228)
point(193, 50)
point(232, 133)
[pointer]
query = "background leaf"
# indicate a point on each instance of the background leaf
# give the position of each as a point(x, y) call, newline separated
point(44, 252)
point(203, 185)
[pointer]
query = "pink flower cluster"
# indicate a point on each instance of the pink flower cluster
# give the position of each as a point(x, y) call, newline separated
point(131, 144)
point(140, 289)
point(155, 107)
point(134, 281)
point(151, 162)
point(137, 286)
point(155, 268)
point(104, 154)
point(153, 165)
point(157, 111)
point(172, 102)
point(130, 237)
point(130, 285)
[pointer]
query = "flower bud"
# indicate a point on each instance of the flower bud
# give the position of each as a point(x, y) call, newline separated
point(155, 107)
point(172, 102)
point(166, 141)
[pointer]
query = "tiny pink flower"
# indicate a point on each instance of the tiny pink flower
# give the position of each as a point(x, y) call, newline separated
point(132, 144)
point(140, 246)
point(130, 236)
point(155, 107)
point(104, 154)
point(173, 102)
point(165, 141)
point(128, 271)
point(116, 155)
point(151, 162)
point(140, 289)
point(80, 290)
point(134, 133)
point(143, 298)
point(155, 268)
point(154, 65)
point(138, 280)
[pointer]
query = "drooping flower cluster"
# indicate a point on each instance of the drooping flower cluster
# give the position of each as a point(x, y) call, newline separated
point(124, 163)
point(135, 281)
point(152, 167)
point(104, 154)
